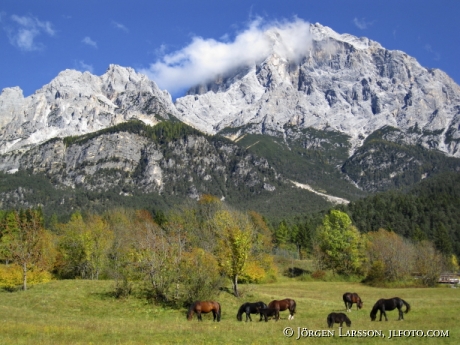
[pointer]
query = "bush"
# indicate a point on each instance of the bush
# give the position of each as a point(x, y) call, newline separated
point(253, 273)
point(319, 275)
point(11, 277)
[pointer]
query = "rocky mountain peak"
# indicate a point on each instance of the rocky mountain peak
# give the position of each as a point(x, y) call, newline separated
point(9, 100)
point(76, 103)
point(342, 83)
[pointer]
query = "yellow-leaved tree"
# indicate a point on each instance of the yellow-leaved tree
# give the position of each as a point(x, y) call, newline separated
point(235, 233)
point(26, 242)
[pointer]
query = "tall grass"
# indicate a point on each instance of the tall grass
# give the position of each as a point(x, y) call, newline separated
point(84, 312)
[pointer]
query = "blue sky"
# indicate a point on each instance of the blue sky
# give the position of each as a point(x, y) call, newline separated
point(40, 38)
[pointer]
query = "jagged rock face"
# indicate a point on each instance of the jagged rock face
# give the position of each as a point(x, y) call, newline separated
point(349, 84)
point(76, 103)
point(192, 165)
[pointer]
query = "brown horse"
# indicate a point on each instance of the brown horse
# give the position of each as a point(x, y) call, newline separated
point(349, 298)
point(285, 304)
point(199, 307)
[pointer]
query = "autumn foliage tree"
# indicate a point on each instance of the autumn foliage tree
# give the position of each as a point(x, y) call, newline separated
point(235, 234)
point(390, 255)
point(25, 242)
point(83, 246)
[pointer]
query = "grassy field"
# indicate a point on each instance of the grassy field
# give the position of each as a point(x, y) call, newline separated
point(82, 312)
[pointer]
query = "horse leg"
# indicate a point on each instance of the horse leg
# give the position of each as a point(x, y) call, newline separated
point(277, 315)
point(214, 314)
point(384, 314)
point(198, 315)
point(248, 316)
point(401, 316)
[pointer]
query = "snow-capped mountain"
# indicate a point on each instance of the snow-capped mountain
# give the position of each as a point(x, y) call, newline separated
point(316, 112)
point(347, 84)
point(76, 103)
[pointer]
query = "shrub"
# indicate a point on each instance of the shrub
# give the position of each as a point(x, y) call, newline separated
point(253, 273)
point(319, 275)
point(11, 277)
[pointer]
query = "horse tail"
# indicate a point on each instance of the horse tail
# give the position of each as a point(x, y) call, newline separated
point(219, 312)
point(407, 306)
point(294, 305)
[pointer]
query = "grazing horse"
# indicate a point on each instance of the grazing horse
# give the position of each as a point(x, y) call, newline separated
point(389, 304)
point(199, 307)
point(349, 298)
point(337, 318)
point(266, 312)
point(285, 304)
point(250, 308)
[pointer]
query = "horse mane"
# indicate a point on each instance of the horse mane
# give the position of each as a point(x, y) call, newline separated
point(191, 309)
point(375, 308)
point(239, 315)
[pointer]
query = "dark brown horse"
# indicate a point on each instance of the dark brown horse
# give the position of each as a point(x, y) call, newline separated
point(199, 307)
point(285, 304)
point(339, 318)
point(389, 304)
point(351, 297)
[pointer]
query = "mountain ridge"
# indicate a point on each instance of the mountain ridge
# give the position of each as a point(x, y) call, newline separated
point(307, 120)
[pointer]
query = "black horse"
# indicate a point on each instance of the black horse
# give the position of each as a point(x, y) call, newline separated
point(250, 308)
point(351, 297)
point(389, 304)
point(337, 318)
point(266, 312)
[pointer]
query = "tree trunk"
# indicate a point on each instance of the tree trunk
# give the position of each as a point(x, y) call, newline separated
point(235, 285)
point(24, 277)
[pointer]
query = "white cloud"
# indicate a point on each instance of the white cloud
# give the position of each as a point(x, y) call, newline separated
point(87, 40)
point(81, 66)
point(361, 23)
point(24, 31)
point(436, 55)
point(120, 26)
point(203, 59)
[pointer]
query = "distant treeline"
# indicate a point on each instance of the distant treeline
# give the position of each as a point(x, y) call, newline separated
point(428, 211)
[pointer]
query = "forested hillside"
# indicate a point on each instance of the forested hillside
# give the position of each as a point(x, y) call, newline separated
point(428, 211)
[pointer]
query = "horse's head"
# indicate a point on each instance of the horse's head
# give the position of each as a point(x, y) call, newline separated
point(373, 315)
point(190, 311)
point(360, 303)
point(348, 322)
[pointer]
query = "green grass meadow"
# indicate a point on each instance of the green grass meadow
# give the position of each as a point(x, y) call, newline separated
point(83, 312)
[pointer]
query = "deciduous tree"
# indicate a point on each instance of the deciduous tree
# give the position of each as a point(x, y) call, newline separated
point(27, 243)
point(340, 243)
point(235, 233)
